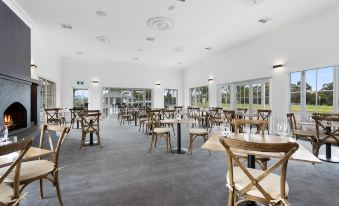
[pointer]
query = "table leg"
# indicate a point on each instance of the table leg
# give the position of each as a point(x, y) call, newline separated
point(136, 115)
point(179, 150)
point(77, 124)
point(91, 139)
point(251, 164)
point(328, 157)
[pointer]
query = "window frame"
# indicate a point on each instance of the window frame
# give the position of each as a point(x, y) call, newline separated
point(204, 105)
point(176, 97)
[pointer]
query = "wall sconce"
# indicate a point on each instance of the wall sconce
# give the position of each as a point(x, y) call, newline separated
point(95, 82)
point(277, 66)
point(34, 74)
point(157, 84)
point(210, 80)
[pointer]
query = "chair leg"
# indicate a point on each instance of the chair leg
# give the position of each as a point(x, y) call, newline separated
point(169, 141)
point(231, 198)
point(56, 179)
point(41, 189)
point(191, 144)
point(82, 140)
point(156, 140)
point(150, 149)
point(99, 140)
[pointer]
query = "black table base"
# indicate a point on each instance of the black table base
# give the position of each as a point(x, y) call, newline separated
point(328, 157)
point(91, 141)
point(178, 149)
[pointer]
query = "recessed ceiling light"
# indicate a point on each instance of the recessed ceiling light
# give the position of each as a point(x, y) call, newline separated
point(208, 48)
point(171, 8)
point(182, 0)
point(135, 58)
point(179, 62)
point(179, 49)
point(264, 20)
point(103, 39)
point(101, 13)
point(139, 50)
point(79, 52)
point(160, 23)
point(150, 39)
point(66, 26)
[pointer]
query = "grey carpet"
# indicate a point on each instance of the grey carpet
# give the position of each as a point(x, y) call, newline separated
point(124, 173)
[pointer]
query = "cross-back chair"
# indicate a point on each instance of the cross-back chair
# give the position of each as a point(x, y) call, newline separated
point(199, 132)
point(264, 114)
point(158, 131)
point(240, 113)
point(74, 115)
point(257, 185)
point(239, 126)
point(10, 194)
point(169, 114)
point(302, 134)
point(90, 123)
point(52, 115)
point(229, 116)
point(327, 130)
point(53, 136)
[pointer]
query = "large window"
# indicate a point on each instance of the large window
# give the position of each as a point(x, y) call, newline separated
point(199, 97)
point(243, 96)
point(226, 91)
point(251, 94)
point(312, 90)
point(115, 97)
point(80, 98)
point(170, 97)
point(47, 94)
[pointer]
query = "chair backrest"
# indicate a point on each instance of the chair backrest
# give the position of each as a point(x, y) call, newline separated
point(21, 147)
point(56, 135)
point(239, 125)
point(75, 111)
point(240, 113)
point(328, 126)
point(52, 115)
point(286, 148)
point(229, 115)
point(169, 113)
point(154, 120)
point(291, 121)
point(264, 114)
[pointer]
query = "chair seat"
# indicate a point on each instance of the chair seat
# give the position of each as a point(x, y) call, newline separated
point(330, 140)
point(161, 130)
point(304, 133)
point(6, 193)
point(30, 170)
point(198, 131)
point(271, 183)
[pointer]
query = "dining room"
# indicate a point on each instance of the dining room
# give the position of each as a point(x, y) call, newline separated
point(172, 102)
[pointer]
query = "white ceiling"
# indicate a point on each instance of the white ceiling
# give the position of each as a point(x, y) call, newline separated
point(219, 24)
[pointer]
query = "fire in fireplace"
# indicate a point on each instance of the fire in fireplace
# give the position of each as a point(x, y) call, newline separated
point(15, 116)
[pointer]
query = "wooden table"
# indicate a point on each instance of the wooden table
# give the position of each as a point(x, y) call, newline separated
point(178, 149)
point(33, 152)
point(328, 156)
point(302, 154)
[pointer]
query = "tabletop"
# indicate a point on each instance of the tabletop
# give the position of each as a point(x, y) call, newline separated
point(175, 121)
point(33, 152)
point(302, 154)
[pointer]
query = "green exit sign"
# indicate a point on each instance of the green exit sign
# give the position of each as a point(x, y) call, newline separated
point(80, 82)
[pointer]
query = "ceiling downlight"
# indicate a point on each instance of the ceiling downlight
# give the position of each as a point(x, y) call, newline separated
point(103, 39)
point(160, 23)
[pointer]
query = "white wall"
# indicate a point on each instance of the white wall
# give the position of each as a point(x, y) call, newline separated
point(309, 45)
point(121, 75)
point(43, 54)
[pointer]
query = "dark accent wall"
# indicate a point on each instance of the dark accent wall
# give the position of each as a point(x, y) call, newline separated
point(15, 45)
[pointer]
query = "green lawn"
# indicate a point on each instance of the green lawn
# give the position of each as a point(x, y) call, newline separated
point(312, 108)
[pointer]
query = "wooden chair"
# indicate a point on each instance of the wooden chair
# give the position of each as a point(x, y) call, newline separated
point(301, 134)
point(240, 113)
point(229, 116)
point(169, 114)
point(44, 169)
point(75, 116)
point(325, 133)
point(198, 132)
point(239, 125)
point(264, 114)
point(257, 185)
point(90, 124)
point(52, 116)
point(158, 131)
point(11, 195)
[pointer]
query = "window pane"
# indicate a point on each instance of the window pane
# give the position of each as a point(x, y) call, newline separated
point(226, 96)
point(325, 102)
point(295, 102)
point(295, 81)
point(199, 97)
point(170, 97)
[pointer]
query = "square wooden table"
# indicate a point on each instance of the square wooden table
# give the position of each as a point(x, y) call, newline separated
point(302, 154)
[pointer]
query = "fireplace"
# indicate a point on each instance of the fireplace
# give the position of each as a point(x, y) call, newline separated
point(15, 116)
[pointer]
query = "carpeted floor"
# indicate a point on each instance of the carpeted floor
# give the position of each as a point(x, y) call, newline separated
point(124, 173)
